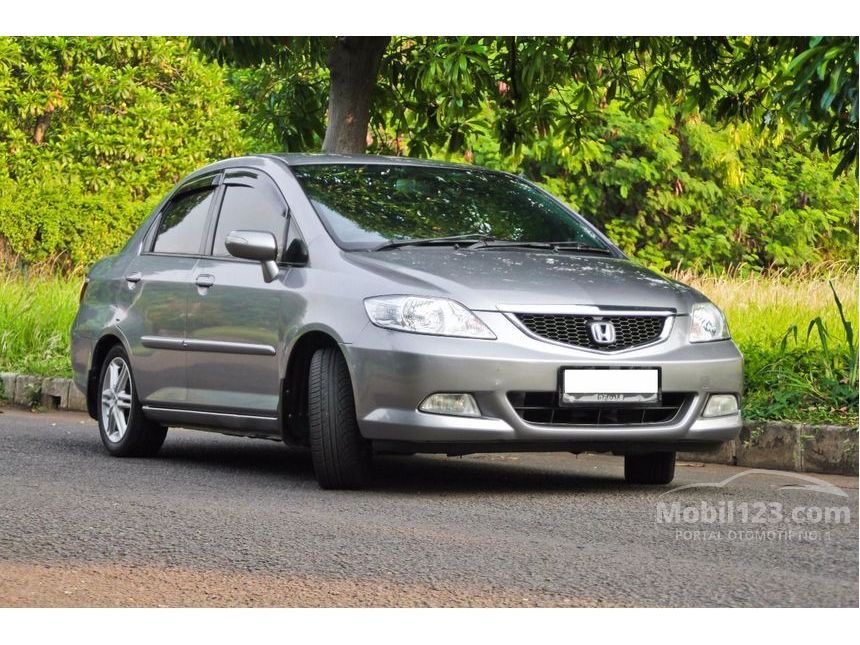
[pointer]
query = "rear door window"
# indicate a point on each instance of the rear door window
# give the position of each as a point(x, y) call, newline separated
point(183, 223)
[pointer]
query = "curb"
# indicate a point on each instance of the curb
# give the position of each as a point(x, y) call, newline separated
point(778, 445)
point(36, 391)
point(762, 444)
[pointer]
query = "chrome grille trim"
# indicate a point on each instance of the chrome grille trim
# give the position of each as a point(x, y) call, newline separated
point(585, 310)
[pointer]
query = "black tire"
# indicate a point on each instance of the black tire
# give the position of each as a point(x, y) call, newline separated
point(341, 456)
point(653, 468)
point(141, 437)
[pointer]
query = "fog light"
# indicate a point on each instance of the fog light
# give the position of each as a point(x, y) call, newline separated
point(459, 405)
point(719, 405)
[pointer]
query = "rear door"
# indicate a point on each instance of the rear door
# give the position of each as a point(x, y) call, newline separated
point(157, 290)
point(235, 318)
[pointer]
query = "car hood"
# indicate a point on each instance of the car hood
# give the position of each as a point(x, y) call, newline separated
point(487, 279)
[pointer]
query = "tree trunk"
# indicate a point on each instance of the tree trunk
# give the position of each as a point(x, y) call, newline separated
point(353, 63)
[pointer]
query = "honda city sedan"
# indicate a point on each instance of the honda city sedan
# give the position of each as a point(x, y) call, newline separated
point(367, 305)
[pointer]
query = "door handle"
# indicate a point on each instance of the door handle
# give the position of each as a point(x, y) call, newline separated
point(205, 280)
point(134, 278)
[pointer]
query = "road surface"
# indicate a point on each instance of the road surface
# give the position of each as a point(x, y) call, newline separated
point(225, 521)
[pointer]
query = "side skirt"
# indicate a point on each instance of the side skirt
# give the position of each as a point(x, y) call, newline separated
point(243, 424)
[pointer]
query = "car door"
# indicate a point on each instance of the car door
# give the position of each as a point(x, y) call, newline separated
point(156, 289)
point(236, 319)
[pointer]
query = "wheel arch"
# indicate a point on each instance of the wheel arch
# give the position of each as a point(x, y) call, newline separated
point(107, 342)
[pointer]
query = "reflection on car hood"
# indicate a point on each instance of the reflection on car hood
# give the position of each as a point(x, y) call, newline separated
point(483, 279)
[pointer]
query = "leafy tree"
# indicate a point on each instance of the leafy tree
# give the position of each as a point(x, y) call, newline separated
point(93, 131)
point(810, 81)
point(435, 90)
point(703, 178)
point(352, 62)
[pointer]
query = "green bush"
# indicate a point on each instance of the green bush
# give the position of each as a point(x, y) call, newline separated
point(686, 195)
point(93, 131)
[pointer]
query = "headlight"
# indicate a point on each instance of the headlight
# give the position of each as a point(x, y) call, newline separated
point(707, 323)
point(437, 316)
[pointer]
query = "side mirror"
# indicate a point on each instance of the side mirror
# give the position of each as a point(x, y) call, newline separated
point(255, 245)
point(297, 253)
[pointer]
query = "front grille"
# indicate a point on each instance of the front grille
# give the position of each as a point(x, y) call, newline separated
point(630, 331)
point(543, 407)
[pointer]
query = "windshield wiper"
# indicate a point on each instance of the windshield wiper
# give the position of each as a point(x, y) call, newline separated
point(430, 241)
point(582, 248)
point(508, 244)
point(558, 247)
point(483, 241)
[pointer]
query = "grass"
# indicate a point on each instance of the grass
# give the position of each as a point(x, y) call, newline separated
point(36, 314)
point(796, 369)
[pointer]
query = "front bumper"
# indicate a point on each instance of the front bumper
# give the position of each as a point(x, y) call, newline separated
point(393, 372)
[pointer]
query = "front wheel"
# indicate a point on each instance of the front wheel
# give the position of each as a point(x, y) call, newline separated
point(653, 468)
point(124, 430)
point(341, 456)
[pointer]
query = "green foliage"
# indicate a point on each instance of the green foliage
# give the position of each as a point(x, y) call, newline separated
point(817, 89)
point(433, 91)
point(837, 363)
point(36, 314)
point(786, 386)
point(284, 105)
point(804, 381)
point(93, 131)
point(813, 379)
point(668, 181)
point(283, 82)
point(789, 374)
point(682, 193)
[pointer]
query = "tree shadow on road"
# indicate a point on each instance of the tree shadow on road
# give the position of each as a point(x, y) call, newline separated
point(485, 474)
point(240, 456)
point(397, 474)
point(258, 463)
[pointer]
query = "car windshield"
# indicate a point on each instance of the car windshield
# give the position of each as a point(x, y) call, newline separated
point(364, 206)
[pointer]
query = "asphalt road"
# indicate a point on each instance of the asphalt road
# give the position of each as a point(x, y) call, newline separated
point(215, 521)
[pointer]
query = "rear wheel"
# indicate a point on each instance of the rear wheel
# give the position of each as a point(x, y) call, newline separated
point(124, 430)
point(341, 456)
point(653, 468)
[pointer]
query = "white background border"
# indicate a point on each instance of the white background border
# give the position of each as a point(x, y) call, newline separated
point(444, 17)
point(425, 17)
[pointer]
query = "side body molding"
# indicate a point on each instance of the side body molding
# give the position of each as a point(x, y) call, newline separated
point(222, 347)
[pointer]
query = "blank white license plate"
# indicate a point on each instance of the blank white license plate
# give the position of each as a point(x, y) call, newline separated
point(610, 386)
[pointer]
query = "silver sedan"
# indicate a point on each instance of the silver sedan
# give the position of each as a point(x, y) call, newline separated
point(365, 305)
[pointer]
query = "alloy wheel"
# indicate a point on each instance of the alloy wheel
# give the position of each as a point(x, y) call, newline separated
point(116, 399)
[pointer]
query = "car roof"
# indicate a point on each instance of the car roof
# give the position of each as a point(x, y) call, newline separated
point(306, 159)
point(293, 159)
